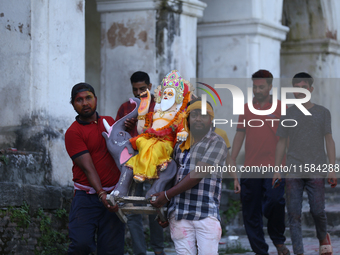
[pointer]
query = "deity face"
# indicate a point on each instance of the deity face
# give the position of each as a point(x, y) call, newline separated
point(168, 99)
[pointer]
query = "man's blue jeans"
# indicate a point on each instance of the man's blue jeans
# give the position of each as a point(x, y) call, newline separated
point(89, 215)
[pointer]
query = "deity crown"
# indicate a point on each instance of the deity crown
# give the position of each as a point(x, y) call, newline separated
point(174, 80)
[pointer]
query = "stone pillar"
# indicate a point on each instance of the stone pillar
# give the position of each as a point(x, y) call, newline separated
point(151, 36)
point(238, 37)
point(312, 46)
point(235, 39)
point(42, 44)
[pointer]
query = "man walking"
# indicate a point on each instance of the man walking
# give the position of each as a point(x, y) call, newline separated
point(257, 196)
point(306, 153)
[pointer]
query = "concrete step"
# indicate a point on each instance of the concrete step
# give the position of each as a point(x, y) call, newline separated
point(332, 212)
point(236, 227)
point(332, 207)
point(311, 245)
point(332, 195)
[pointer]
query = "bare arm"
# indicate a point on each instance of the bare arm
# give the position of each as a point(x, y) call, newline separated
point(188, 182)
point(330, 147)
point(230, 162)
point(279, 154)
point(86, 165)
point(237, 144)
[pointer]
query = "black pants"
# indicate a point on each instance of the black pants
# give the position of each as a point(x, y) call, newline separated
point(87, 215)
point(258, 199)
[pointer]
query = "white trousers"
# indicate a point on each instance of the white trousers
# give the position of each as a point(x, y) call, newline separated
point(188, 235)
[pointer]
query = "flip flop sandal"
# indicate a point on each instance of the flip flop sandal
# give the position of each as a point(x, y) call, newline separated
point(283, 250)
point(326, 248)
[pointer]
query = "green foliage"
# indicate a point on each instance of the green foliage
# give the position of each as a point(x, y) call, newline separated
point(20, 215)
point(234, 248)
point(51, 241)
point(4, 159)
point(233, 208)
point(128, 246)
point(128, 242)
point(147, 238)
point(61, 214)
point(230, 184)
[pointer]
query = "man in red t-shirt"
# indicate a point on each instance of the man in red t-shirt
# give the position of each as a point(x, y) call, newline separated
point(257, 196)
point(94, 174)
point(140, 82)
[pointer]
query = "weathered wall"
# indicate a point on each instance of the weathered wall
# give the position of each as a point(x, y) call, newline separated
point(42, 57)
point(150, 36)
point(238, 37)
point(92, 45)
point(312, 46)
point(127, 46)
point(235, 39)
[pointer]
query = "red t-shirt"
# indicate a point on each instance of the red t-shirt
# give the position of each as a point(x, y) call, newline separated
point(84, 137)
point(261, 141)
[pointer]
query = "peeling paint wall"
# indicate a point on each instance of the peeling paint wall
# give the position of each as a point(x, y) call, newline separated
point(151, 36)
point(42, 56)
point(312, 43)
point(305, 19)
point(128, 45)
point(168, 31)
point(15, 46)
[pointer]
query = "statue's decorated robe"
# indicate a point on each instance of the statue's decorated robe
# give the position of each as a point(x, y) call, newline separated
point(155, 146)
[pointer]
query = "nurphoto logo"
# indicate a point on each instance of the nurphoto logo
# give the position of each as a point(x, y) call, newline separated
point(239, 101)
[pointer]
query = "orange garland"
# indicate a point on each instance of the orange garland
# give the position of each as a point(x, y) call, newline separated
point(147, 120)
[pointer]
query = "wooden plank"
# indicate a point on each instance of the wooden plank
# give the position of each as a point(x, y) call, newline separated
point(161, 214)
point(141, 210)
point(133, 199)
point(110, 199)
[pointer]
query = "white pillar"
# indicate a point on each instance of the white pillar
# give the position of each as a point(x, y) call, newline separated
point(42, 43)
point(238, 37)
point(235, 39)
point(151, 36)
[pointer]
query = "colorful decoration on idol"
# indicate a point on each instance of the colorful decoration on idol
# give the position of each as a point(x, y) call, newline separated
point(173, 80)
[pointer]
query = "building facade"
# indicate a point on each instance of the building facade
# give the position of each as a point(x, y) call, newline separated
point(48, 46)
